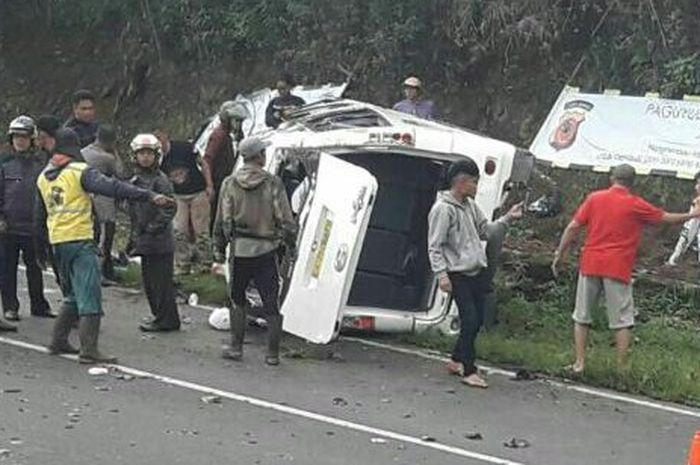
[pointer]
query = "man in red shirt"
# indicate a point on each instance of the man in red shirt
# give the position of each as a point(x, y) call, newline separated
point(613, 219)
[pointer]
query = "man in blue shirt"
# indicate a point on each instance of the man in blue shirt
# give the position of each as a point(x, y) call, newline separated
point(414, 104)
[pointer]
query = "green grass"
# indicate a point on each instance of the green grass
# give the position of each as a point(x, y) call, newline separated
point(535, 334)
point(210, 289)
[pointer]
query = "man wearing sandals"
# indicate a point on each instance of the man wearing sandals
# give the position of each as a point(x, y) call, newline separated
point(613, 219)
point(457, 227)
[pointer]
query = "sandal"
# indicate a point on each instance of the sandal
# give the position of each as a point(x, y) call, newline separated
point(455, 368)
point(572, 370)
point(475, 381)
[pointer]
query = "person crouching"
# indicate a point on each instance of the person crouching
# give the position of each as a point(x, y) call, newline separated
point(152, 236)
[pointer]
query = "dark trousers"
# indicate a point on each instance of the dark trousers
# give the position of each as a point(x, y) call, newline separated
point(469, 294)
point(263, 271)
point(106, 241)
point(157, 273)
point(12, 246)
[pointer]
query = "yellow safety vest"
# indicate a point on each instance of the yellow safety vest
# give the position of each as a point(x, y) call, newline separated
point(68, 206)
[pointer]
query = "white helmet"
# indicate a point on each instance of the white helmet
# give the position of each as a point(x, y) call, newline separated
point(23, 125)
point(146, 141)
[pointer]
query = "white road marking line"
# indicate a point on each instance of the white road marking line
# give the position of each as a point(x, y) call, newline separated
point(571, 387)
point(498, 371)
point(269, 405)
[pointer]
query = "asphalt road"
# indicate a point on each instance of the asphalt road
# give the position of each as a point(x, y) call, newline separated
point(367, 405)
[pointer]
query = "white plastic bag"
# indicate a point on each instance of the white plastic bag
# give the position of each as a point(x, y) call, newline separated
point(219, 319)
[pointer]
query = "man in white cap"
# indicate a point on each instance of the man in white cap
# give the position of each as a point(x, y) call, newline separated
point(414, 104)
point(255, 218)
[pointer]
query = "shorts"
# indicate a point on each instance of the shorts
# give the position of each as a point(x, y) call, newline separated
point(618, 301)
point(79, 273)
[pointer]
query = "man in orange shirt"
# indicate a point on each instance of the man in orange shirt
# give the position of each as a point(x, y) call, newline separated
point(613, 219)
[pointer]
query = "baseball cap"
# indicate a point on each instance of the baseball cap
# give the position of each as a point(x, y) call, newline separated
point(252, 146)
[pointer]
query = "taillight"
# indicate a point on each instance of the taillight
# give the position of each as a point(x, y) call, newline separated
point(362, 323)
point(490, 167)
point(407, 138)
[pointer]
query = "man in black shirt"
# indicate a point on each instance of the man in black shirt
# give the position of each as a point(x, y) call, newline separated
point(279, 106)
point(191, 224)
point(83, 121)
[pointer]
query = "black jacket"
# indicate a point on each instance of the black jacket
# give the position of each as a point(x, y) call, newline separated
point(151, 226)
point(18, 191)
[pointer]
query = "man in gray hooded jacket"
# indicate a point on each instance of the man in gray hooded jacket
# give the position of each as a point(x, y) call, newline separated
point(255, 218)
point(457, 227)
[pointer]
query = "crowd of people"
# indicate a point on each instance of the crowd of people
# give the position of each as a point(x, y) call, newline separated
point(62, 185)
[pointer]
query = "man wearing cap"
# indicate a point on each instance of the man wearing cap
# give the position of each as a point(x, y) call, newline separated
point(456, 229)
point(414, 104)
point(102, 156)
point(46, 127)
point(220, 157)
point(613, 219)
point(64, 216)
point(255, 218)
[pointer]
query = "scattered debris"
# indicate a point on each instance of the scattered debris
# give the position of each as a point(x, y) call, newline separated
point(5, 453)
point(186, 320)
point(408, 415)
point(336, 356)
point(98, 371)
point(516, 443)
point(330, 433)
point(193, 300)
point(211, 399)
point(378, 441)
point(11, 391)
point(524, 375)
point(103, 388)
point(474, 436)
point(16, 441)
point(69, 426)
point(386, 401)
point(451, 391)
point(113, 410)
point(427, 438)
point(122, 376)
point(340, 402)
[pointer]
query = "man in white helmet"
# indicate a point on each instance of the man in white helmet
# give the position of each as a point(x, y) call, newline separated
point(414, 104)
point(152, 236)
point(219, 156)
point(19, 171)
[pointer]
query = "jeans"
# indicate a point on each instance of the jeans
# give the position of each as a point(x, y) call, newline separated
point(469, 294)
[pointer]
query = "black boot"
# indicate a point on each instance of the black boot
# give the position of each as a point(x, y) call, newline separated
point(6, 326)
point(274, 335)
point(61, 330)
point(237, 316)
point(89, 336)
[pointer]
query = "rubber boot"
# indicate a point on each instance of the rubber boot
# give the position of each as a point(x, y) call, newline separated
point(274, 335)
point(89, 335)
point(6, 326)
point(61, 330)
point(237, 316)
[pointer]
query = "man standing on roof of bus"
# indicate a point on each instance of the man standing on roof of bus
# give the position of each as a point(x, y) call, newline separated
point(279, 107)
point(613, 219)
point(414, 103)
point(456, 229)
